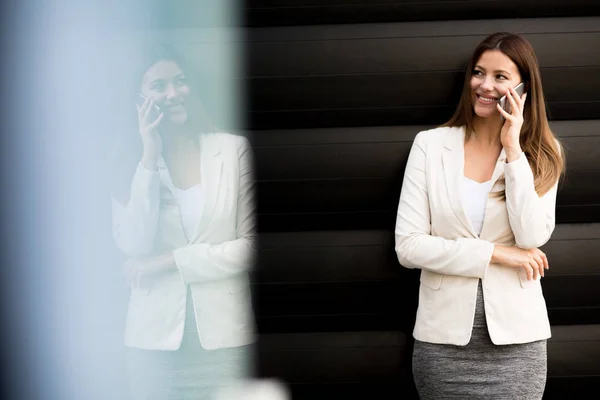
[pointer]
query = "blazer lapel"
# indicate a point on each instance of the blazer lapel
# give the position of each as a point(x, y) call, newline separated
point(211, 165)
point(453, 159)
point(499, 169)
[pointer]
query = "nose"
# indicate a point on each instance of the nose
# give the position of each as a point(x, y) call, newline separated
point(171, 91)
point(487, 85)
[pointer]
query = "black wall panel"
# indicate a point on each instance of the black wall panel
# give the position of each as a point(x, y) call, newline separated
point(336, 92)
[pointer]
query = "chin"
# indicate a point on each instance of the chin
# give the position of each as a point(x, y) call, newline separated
point(485, 112)
point(178, 119)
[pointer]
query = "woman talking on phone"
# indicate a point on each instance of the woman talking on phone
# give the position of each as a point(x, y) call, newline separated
point(477, 202)
point(183, 214)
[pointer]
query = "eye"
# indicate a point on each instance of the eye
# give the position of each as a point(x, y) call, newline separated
point(501, 77)
point(477, 72)
point(180, 81)
point(159, 87)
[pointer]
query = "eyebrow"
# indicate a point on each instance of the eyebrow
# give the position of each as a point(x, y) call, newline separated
point(161, 80)
point(501, 71)
point(158, 80)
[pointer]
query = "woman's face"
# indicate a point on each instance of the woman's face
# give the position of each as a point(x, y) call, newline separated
point(491, 77)
point(166, 83)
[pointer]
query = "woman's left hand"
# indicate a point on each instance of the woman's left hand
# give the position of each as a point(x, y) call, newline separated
point(513, 122)
point(141, 272)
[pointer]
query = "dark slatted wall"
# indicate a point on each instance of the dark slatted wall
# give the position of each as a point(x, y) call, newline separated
point(337, 90)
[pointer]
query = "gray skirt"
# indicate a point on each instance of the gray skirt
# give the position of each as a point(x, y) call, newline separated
point(191, 372)
point(481, 369)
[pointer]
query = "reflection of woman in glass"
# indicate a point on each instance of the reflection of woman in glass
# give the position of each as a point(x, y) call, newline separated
point(184, 215)
point(478, 200)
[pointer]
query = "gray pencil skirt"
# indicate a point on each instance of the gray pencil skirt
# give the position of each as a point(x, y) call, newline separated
point(191, 372)
point(481, 369)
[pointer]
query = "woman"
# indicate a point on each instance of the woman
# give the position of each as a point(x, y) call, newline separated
point(478, 199)
point(183, 213)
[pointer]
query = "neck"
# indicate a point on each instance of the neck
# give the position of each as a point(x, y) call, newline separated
point(177, 137)
point(487, 131)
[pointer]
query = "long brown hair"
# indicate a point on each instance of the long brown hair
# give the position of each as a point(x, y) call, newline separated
point(543, 150)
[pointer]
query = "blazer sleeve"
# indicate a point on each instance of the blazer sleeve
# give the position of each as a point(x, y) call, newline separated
point(134, 226)
point(531, 217)
point(199, 262)
point(414, 244)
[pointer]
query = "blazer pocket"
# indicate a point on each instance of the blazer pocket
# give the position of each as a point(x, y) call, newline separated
point(525, 283)
point(236, 287)
point(431, 279)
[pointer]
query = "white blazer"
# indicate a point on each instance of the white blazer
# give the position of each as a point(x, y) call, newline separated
point(214, 263)
point(433, 233)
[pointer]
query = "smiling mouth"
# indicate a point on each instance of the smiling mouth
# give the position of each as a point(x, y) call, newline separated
point(487, 100)
point(174, 106)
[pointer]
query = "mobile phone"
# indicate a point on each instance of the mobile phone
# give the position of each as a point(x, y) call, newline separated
point(156, 108)
point(505, 104)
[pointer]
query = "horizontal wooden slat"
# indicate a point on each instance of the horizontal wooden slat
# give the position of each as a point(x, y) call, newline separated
point(582, 153)
point(413, 115)
point(352, 91)
point(439, 28)
point(579, 387)
point(579, 187)
point(360, 160)
point(294, 240)
point(307, 3)
point(574, 315)
point(286, 222)
point(342, 298)
point(337, 363)
point(379, 194)
point(576, 232)
point(343, 263)
point(365, 12)
point(573, 257)
point(405, 323)
point(576, 214)
point(379, 262)
point(369, 255)
point(308, 160)
point(329, 298)
point(299, 240)
point(328, 221)
point(392, 54)
point(571, 291)
point(324, 195)
point(339, 340)
point(332, 323)
point(400, 89)
point(279, 138)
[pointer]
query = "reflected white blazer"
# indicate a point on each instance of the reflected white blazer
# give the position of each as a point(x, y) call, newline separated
point(433, 233)
point(214, 262)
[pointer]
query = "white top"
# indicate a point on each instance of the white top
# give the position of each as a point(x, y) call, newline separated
point(474, 198)
point(190, 206)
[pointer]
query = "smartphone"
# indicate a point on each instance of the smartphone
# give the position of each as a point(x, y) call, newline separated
point(505, 104)
point(156, 108)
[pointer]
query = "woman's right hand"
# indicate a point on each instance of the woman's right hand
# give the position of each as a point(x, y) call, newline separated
point(151, 139)
point(533, 261)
